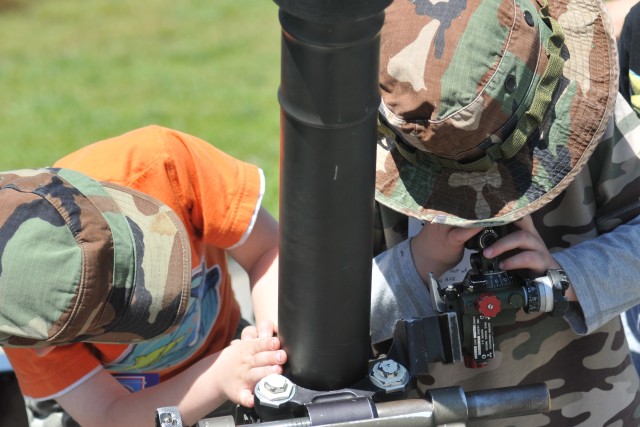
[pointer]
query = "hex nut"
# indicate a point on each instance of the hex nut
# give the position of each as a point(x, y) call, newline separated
point(274, 390)
point(389, 375)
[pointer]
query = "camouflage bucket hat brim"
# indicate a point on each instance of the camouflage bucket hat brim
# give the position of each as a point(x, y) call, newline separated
point(490, 107)
point(87, 261)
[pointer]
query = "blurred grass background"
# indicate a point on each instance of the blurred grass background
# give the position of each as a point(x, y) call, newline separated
point(73, 72)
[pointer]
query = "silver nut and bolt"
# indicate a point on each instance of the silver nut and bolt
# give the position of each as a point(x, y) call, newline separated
point(274, 390)
point(389, 375)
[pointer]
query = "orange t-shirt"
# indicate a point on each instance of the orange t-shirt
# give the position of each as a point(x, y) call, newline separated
point(217, 197)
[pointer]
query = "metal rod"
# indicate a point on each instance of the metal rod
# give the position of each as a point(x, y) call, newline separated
point(508, 401)
point(329, 98)
point(446, 406)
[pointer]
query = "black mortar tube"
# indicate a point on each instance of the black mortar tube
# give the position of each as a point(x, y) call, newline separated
point(329, 98)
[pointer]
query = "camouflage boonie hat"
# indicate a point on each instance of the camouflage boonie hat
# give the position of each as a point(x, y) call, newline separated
point(87, 261)
point(490, 107)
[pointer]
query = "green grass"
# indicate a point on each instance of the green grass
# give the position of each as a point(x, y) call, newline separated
point(73, 72)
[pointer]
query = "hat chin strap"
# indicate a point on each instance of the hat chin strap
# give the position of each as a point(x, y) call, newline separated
point(527, 124)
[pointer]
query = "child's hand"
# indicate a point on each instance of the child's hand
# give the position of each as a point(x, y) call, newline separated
point(241, 365)
point(438, 248)
point(532, 252)
point(264, 329)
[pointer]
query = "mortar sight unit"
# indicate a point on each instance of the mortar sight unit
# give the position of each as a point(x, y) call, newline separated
point(489, 297)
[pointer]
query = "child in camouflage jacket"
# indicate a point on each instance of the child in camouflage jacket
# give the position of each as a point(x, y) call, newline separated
point(500, 113)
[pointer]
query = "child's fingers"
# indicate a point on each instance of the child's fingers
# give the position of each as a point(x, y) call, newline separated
point(266, 329)
point(250, 332)
point(280, 357)
point(532, 253)
point(267, 358)
point(246, 398)
point(526, 238)
point(256, 374)
point(262, 344)
point(529, 260)
point(266, 344)
point(525, 223)
point(249, 349)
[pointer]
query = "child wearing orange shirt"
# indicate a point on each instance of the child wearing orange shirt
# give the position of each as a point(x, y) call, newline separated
point(127, 287)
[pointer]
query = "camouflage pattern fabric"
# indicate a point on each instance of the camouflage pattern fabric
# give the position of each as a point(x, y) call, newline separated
point(630, 58)
point(591, 378)
point(84, 261)
point(495, 102)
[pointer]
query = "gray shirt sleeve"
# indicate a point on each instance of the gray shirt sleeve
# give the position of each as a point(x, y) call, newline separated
point(397, 291)
point(605, 274)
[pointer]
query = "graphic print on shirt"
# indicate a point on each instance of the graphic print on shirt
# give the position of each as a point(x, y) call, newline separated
point(170, 350)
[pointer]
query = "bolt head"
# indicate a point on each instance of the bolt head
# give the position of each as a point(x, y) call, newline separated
point(389, 375)
point(276, 384)
point(274, 390)
point(389, 368)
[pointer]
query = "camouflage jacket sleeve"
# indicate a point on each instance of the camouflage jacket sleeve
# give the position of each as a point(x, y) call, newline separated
point(604, 270)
